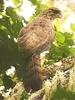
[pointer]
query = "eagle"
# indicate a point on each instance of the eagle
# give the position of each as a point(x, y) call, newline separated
point(35, 38)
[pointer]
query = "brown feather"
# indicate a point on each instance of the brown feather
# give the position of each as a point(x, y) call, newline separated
point(36, 37)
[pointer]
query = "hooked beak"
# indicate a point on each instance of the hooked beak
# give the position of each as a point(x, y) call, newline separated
point(60, 15)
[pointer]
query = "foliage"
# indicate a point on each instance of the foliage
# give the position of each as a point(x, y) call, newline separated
point(10, 25)
point(61, 48)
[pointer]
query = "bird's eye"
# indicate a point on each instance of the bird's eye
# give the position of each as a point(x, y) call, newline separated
point(55, 11)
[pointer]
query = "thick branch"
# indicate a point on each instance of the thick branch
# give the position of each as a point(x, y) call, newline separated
point(64, 64)
point(16, 92)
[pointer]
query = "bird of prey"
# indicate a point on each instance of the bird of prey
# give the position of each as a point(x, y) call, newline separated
point(35, 38)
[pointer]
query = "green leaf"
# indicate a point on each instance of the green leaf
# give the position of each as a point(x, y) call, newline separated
point(55, 53)
point(33, 1)
point(72, 50)
point(1, 5)
point(68, 39)
point(60, 37)
point(57, 25)
point(16, 1)
point(72, 26)
point(12, 13)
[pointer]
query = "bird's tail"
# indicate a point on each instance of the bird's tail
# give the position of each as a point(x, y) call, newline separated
point(32, 77)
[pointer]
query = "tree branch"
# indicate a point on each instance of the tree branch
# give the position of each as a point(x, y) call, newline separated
point(16, 92)
point(47, 71)
point(63, 64)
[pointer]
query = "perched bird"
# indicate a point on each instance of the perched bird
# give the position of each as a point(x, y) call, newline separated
point(35, 38)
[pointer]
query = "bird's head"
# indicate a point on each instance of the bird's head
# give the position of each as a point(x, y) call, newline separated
point(51, 13)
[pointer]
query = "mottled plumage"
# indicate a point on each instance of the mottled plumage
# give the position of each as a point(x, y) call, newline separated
point(36, 37)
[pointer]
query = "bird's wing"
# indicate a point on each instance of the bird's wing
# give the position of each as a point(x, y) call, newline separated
point(36, 36)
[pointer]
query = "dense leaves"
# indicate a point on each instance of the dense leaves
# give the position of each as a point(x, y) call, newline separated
point(62, 47)
point(10, 27)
